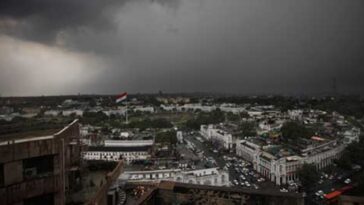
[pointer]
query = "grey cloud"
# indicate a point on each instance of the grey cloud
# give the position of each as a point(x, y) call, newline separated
point(41, 20)
point(234, 46)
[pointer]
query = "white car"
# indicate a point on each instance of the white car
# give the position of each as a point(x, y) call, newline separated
point(319, 193)
point(347, 181)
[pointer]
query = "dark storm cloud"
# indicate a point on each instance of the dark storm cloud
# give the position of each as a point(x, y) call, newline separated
point(234, 46)
point(41, 20)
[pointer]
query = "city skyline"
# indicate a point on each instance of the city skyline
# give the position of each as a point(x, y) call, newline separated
point(240, 47)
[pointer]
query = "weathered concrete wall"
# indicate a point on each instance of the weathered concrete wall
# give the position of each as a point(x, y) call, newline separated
point(12, 153)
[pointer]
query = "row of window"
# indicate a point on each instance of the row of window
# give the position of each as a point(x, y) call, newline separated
point(116, 153)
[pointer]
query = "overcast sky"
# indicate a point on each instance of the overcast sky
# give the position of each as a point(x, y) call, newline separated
point(51, 47)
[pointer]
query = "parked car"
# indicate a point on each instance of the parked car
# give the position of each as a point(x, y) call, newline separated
point(283, 190)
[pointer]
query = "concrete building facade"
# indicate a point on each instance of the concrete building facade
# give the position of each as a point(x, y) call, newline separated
point(40, 169)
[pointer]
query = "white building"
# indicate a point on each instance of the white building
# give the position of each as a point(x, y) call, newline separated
point(212, 133)
point(120, 111)
point(196, 107)
point(113, 150)
point(129, 154)
point(266, 126)
point(232, 108)
point(70, 112)
point(295, 114)
point(351, 135)
point(210, 176)
point(149, 109)
point(247, 150)
point(128, 143)
point(282, 170)
point(52, 113)
point(168, 107)
point(180, 137)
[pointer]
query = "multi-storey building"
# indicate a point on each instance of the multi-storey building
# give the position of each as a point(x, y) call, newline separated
point(37, 169)
point(211, 176)
point(281, 167)
point(215, 134)
point(114, 150)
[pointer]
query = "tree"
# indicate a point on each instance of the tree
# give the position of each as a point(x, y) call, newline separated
point(213, 117)
point(232, 117)
point(353, 154)
point(168, 137)
point(248, 129)
point(294, 131)
point(308, 176)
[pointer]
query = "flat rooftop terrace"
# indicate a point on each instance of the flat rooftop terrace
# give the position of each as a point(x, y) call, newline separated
point(27, 137)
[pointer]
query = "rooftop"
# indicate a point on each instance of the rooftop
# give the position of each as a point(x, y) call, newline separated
point(118, 149)
point(167, 192)
point(28, 134)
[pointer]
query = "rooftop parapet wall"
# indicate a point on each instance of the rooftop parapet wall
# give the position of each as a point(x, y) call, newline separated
point(171, 192)
point(18, 149)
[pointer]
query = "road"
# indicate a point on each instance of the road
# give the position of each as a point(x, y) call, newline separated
point(251, 175)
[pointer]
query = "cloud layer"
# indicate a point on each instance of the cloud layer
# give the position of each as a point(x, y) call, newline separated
point(231, 46)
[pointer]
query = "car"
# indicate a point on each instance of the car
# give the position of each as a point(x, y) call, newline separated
point(255, 186)
point(319, 193)
point(235, 182)
point(261, 179)
point(347, 181)
point(283, 190)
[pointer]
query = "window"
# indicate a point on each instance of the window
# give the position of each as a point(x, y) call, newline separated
point(37, 166)
point(44, 199)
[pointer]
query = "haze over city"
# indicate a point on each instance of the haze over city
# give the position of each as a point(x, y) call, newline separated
point(233, 46)
point(188, 102)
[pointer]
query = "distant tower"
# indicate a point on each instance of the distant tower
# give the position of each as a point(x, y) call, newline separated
point(160, 93)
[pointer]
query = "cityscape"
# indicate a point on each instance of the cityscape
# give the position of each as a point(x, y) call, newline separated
point(123, 148)
point(181, 102)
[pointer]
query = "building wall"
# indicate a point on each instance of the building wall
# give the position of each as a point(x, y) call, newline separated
point(115, 156)
point(20, 183)
point(211, 133)
point(281, 170)
point(211, 176)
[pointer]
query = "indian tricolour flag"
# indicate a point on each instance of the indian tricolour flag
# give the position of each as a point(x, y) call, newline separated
point(121, 97)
